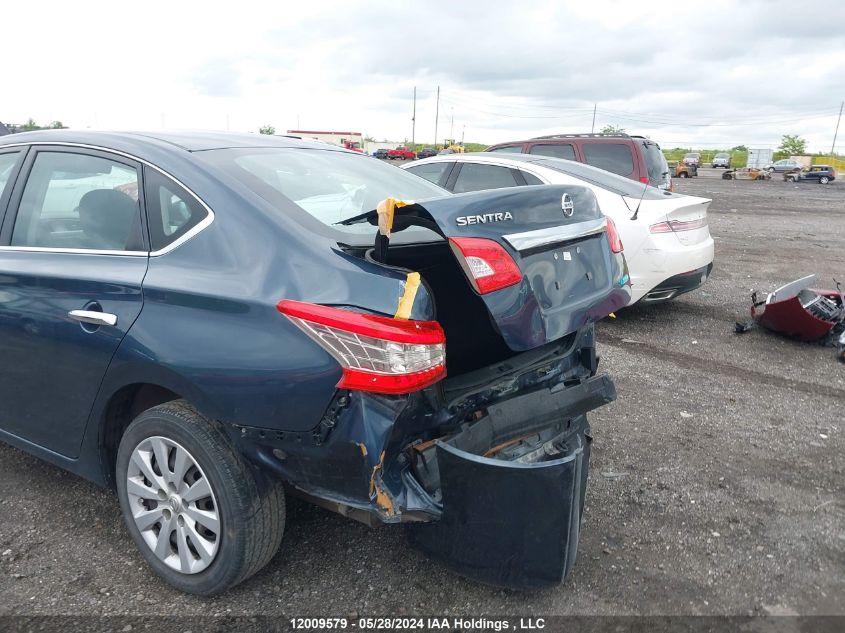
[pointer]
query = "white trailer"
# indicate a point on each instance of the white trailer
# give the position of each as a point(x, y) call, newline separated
point(759, 157)
point(349, 140)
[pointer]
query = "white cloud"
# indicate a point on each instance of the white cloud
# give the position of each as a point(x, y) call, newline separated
point(684, 73)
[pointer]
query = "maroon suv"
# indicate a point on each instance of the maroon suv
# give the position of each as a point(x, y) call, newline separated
point(634, 157)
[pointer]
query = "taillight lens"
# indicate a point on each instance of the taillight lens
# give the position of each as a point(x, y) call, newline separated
point(613, 237)
point(644, 180)
point(486, 262)
point(377, 354)
point(678, 225)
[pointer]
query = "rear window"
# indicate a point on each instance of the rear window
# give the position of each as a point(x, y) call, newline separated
point(510, 149)
point(604, 179)
point(330, 186)
point(477, 177)
point(432, 172)
point(655, 162)
point(613, 157)
point(554, 151)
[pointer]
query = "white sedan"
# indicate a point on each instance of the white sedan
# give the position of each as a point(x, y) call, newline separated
point(666, 236)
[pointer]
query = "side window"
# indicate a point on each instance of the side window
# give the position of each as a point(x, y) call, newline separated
point(510, 149)
point(432, 172)
point(7, 163)
point(613, 157)
point(171, 211)
point(531, 179)
point(474, 177)
point(554, 151)
point(79, 201)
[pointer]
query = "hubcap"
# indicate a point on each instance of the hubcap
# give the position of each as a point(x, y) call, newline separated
point(173, 505)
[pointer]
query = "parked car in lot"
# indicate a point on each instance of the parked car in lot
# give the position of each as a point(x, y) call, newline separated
point(254, 323)
point(746, 173)
point(692, 158)
point(426, 152)
point(634, 157)
point(822, 174)
point(381, 152)
point(667, 239)
point(722, 159)
point(780, 166)
point(401, 153)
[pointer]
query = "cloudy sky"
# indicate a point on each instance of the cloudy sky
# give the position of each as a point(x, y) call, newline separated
point(686, 73)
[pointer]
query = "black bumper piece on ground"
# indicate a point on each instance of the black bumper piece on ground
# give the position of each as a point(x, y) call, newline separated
point(514, 524)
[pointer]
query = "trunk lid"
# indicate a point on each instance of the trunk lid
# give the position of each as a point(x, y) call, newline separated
point(556, 236)
point(684, 216)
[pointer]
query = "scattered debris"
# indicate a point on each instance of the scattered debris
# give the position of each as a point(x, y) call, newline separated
point(801, 312)
point(685, 415)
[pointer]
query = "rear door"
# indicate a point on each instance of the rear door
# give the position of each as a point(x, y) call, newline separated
point(73, 254)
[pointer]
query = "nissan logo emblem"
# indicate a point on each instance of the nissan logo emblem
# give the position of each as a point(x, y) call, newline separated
point(567, 205)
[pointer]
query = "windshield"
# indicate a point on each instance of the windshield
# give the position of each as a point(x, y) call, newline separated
point(328, 185)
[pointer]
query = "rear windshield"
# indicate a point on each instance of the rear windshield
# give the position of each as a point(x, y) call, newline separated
point(604, 179)
point(615, 157)
point(510, 149)
point(655, 162)
point(328, 185)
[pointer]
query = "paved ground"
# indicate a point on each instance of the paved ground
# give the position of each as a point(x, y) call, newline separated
point(716, 484)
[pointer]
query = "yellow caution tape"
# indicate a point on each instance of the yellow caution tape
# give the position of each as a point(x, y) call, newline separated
point(385, 211)
point(406, 301)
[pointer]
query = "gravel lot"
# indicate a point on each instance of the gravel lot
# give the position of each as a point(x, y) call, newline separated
point(716, 483)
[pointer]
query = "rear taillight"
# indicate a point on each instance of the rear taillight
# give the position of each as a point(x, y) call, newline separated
point(613, 237)
point(487, 264)
point(377, 354)
point(644, 180)
point(673, 226)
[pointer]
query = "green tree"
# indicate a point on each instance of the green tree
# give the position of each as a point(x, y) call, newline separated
point(30, 125)
point(369, 139)
point(57, 125)
point(612, 129)
point(792, 144)
point(739, 148)
point(266, 129)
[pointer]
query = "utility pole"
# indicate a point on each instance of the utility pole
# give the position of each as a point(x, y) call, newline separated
point(436, 116)
point(452, 127)
point(593, 126)
point(836, 133)
point(414, 120)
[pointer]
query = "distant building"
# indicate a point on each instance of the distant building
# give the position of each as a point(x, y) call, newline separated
point(349, 140)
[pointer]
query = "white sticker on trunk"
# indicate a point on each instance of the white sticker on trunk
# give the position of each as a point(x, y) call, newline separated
point(567, 256)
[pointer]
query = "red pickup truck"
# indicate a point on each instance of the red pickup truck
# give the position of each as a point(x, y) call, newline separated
point(401, 152)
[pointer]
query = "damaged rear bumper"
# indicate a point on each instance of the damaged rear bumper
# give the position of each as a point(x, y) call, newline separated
point(490, 480)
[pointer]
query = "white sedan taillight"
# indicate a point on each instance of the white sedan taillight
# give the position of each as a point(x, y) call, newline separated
point(378, 354)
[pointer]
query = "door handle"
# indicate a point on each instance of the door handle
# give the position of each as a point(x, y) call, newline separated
point(93, 317)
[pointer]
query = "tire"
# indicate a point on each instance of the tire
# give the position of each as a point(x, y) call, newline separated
point(824, 180)
point(771, 170)
point(250, 511)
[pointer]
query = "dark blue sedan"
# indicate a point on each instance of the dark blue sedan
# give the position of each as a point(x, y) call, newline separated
point(209, 322)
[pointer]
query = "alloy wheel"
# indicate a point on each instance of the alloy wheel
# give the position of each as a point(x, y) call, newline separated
point(173, 505)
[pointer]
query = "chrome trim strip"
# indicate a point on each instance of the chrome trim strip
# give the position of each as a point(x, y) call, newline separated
point(163, 251)
point(564, 233)
point(75, 251)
